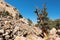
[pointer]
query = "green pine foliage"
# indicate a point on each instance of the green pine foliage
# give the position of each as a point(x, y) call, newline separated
point(44, 20)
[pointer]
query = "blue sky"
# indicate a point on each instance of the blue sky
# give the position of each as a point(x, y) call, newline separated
point(26, 8)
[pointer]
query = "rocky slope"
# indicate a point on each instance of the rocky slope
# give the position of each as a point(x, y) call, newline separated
point(19, 29)
point(12, 28)
point(5, 7)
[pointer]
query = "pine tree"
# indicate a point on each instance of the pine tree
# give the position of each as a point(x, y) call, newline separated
point(42, 19)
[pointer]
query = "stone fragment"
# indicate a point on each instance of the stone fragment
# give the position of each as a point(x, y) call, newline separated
point(37, 30)
point(32, 37)
point(1, 31)
point(58, 38)
point(19, 38)
point(1, 38)
point(7, 37)
point(53, 31)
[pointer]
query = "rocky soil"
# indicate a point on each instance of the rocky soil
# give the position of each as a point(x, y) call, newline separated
point(11, 29)
point(16, 29)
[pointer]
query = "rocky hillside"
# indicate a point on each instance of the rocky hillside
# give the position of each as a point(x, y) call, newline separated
point(14, 27)
point(7, 8)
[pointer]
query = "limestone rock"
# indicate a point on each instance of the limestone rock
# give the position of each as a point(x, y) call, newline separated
point(32, 37)
point(19, 38)
point(1, 31)
point(58, 38)
point(1, 38)
point(5, 7)
point(24, 20)
point(37, 30)
point(53, 31)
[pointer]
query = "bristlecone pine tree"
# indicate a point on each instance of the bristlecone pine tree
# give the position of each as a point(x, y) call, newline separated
point(42, 19)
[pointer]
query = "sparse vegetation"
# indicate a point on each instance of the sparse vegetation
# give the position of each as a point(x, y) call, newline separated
point(43, 19)
point(30, 22)
point(20, 16)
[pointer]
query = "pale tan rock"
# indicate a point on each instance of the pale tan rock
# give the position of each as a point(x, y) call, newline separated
point(1, 0)
point(58, 30)
point(16, 29)
point(58, 38)
point(1, 8)
point(1, 38)
point(1, 31)
point(37, 30)
point(53, 31)
point(7, 37)
point(24, 20)
point(4, 6)
point(32, 37)
point(19, 38)
point(53, 36)
point(39, 38)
